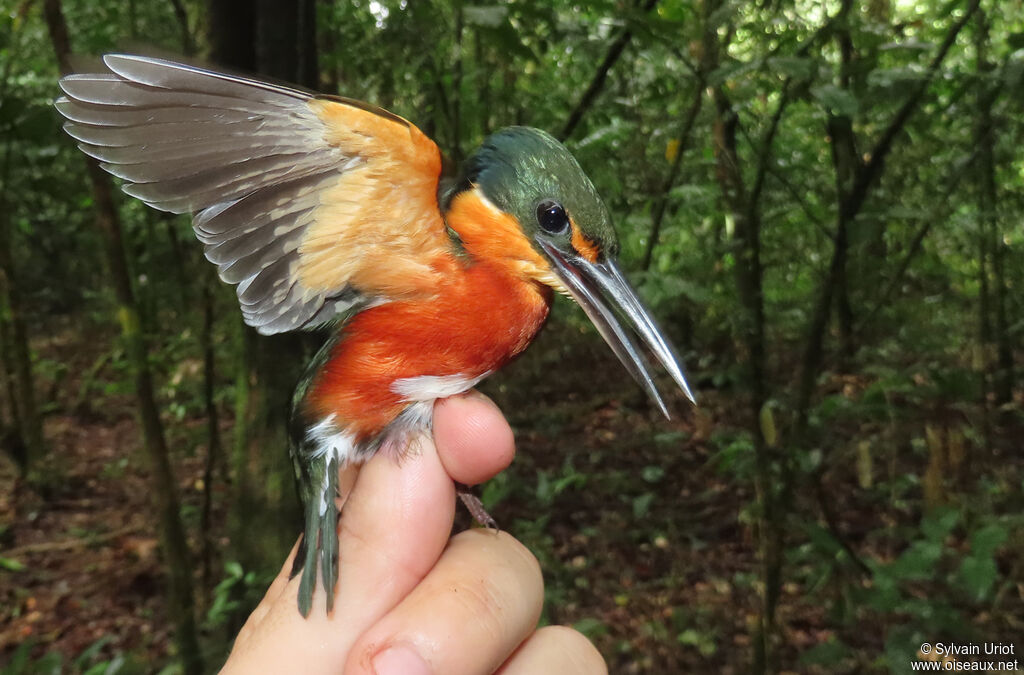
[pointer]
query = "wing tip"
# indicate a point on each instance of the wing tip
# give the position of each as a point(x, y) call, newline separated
point(111, 59)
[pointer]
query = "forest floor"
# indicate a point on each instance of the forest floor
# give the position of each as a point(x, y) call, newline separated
point(645, 543)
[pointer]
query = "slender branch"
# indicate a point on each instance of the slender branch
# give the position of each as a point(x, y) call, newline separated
point(456, 118)
point(849, 208)
point(918, 240)
point(801, 201)
point(765, 153)
point(873, 168)
point(793, 192)
point(658, 212)
point(180, 597)
point(69, 544)
point(825, 500)
point(951, 185)
point(590, 94)
point(188, 44)
point(683, 59)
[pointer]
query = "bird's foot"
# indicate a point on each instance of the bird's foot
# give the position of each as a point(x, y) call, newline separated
point(475, 507)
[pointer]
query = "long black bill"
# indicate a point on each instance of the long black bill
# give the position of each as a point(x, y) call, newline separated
point(601, 290)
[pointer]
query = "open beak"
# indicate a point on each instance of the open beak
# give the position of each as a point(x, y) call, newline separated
point(604, 294)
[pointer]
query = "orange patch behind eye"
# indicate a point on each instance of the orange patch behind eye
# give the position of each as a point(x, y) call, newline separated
point(585, 246)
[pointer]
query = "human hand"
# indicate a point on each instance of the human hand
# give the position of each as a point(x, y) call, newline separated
point(409, 600)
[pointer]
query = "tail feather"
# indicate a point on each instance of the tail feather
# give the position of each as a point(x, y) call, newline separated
point(329, 535)
point(319, 545)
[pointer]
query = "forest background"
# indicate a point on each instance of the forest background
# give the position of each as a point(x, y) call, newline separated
point(820, 200)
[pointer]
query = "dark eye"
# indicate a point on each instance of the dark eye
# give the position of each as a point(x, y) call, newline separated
point(552, 217)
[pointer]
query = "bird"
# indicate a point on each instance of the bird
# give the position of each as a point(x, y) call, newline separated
point(329, 213)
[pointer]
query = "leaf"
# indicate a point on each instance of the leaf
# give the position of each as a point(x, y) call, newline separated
point(985, 541)
point(911, 44)
point(796, 67)
point(720, 16)
point(605, 135)
point(652, 473)
point(591, 627)
point(889, 77)
point(904, 212)
point(116, 665)
point(496, 490)
point(823, 540)
point(670, 437)
point(837, 100)
point(506, 40)
point(768, 429)
point(918, 562)
point(50, 664)
point(864, 465)
point(642, 505)
point(490, 17)
point(730, 70)
point(937, 526)
point(234, 569)
point(885, 594)
point(1015, 41)
point(672, 150)
point(704, 643)
point(829, 653)
point(90, 652)
point(978, 574)
point(11, 565)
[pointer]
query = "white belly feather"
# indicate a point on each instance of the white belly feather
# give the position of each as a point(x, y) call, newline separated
point(328, 438)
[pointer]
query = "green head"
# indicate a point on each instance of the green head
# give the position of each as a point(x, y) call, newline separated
point(526, 173)
point(529, 175)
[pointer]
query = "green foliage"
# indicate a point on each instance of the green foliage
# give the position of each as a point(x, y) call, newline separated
point(923, 593)
point(592, 628)
point(89, 662)
point(550, 486)
point(238, 591)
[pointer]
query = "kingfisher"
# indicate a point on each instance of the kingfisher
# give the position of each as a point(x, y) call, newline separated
point(329, 212)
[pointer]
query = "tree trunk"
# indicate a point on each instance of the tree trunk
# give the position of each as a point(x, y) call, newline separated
point(750, 330)
point(846, 163)
point(482, 81)
point(993, 247)
point(12, 441)
point(286, 41)
point(330, 80)
point(26, 423)
point(24, 438)
point(277, 40)
point(172, 533)
point(188, 44)
point(214, 451)
point(231, 33)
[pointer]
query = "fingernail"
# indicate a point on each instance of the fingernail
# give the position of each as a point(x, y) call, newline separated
point(400, 660)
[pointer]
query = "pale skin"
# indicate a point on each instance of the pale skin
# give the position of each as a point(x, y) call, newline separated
point(411, 599)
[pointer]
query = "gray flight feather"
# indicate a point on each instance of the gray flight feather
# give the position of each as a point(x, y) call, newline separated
point(248, 159)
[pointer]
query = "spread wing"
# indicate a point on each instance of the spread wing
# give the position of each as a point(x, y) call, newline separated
point(309, 204)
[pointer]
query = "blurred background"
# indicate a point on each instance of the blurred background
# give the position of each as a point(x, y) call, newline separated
point(820, 200)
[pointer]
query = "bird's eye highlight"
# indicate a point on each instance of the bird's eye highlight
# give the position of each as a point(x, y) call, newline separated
point(552, 217)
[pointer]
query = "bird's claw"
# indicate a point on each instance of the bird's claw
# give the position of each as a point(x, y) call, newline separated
point(476, 508)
